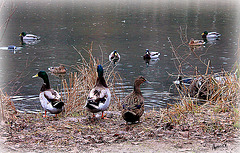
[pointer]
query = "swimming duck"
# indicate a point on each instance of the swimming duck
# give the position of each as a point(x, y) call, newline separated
point(196, 42)
point(181, 81)
point(150, 55)
point(209, 35)
point(59, 69)
point(24, 36)
point(49, 98)
point(114, 56)
point(133, 104)
point(99, 97)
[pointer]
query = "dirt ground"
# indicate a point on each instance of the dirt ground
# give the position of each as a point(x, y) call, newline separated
point(32, 133)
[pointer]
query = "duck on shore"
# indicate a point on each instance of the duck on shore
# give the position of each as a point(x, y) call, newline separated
point(49, 98)
point(100, 96)
point(133, 104)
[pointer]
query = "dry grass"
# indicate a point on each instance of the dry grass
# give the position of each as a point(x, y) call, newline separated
point(77, 87)
point(219, 91)
point(7, 108)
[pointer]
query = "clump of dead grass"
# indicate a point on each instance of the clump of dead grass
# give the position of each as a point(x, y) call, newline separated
point(77, 87)
point(7, 108)
point(211, 101)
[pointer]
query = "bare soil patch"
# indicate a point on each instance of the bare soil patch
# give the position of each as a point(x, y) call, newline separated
point(33, 133)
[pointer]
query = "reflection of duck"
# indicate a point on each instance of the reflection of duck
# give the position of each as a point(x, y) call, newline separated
point(196, 42)
point(49, 98)
point(60, 69)
point(99, 97)
point(25, 36)
point(114, 56)
point(150, 55)
point(151, 61)
point(133, 104)
point(209, 35)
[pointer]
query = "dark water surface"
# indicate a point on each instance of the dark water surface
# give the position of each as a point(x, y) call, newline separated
point(126, 26)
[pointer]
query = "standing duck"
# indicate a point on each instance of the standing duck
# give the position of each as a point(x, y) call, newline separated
point(99, 97)
point(133, 104)
point(114, 56)
point(25, 37)
point(151, 55)
point(49, 98)
point(210, 35)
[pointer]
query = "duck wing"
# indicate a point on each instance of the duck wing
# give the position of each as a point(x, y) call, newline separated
point(134, 103)
point(96, 97)
point(53, 97)
point(30, 36)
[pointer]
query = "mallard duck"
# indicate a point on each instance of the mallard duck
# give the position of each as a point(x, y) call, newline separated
point(59, 69)
point(49, 98)
point(12, 47)
point(114, 56)
point(150, 55)
point(99, 97)
point(196, 42)
point(181, 81)
point(25, 36)
point(209, 35)
point(133, 104)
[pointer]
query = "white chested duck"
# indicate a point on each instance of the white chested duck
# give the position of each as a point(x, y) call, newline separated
point(99, 97)
point(49, 98)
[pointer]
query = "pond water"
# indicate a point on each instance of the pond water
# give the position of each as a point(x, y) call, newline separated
point(130, 27)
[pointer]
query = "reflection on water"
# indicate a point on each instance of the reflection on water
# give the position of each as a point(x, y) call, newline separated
point(130, 27)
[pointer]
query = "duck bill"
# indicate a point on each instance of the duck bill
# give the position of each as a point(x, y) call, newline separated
point(35, 76)
point(202, 33)
point(20, 35)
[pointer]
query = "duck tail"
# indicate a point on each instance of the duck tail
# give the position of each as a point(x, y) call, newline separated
point(130, 116)
point(58, 104)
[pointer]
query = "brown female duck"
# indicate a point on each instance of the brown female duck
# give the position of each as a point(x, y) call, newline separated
point(133, 104)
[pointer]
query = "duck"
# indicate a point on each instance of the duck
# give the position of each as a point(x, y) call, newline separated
point(26, 37)
point(58, 70)
point(196, 42)
point(98, 99)
point(133, 104)
point(209, 35)
point(114, 56)
point(49, 98)
point(181, 81)
point(150, 55)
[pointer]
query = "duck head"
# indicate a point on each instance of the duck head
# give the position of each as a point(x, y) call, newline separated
point(23, 34)
point(204, 34)
point(43, 75)
point(147, 51)
point(115, 52)
point(100, 70)
point(140, 80)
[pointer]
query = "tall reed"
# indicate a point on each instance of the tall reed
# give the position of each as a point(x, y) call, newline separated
point(78, 85)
